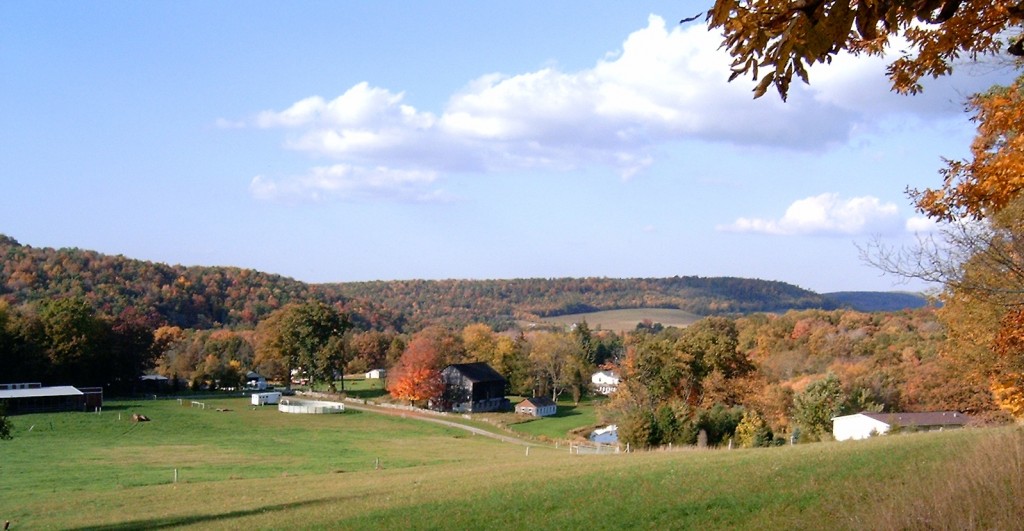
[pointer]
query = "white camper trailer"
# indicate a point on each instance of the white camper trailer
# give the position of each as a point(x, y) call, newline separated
point(260, 399)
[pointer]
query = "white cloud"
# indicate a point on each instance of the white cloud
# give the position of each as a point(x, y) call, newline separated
point(664, 85)
point(921, 224)
point(826, 214)
point(342, 181)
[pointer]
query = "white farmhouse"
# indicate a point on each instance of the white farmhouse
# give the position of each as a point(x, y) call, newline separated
point(865, 424)
point(254, 380)
point(605, 382)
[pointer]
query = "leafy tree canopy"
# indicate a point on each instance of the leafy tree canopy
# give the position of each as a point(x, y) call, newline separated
point(776, 39)
point(994, 175)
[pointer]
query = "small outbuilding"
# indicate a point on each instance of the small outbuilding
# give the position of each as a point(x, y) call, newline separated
point(538, 406)
point(154, 383)
point(865, 424)
point(375, 374)
point(21, 398)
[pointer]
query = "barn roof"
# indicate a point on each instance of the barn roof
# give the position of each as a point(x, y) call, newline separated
point(478, 372)
point(934, 418)
point(60, 390)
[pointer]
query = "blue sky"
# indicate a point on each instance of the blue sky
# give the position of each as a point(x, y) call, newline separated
point(343, 141)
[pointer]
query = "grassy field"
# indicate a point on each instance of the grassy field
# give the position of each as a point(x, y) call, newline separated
point(622, 320)
point(248, 468)
point(362, 387)
point(557, 426)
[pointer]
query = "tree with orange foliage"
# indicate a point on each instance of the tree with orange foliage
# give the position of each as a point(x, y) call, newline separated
point(981, 264)
point(417, 377)
point(781, 38)
point(416, 384)
point(994, 176)
point(983, 308)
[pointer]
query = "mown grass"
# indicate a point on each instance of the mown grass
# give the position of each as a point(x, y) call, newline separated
point(365, 388)
point(263, 469)
point(63, 453)
point(556, 427)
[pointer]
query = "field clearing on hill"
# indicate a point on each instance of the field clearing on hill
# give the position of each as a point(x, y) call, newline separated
point(624, 320)
point(258, 468)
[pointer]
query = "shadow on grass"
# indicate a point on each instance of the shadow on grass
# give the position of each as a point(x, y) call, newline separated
point(566, 411)
point(366, 394)
point(177, 521)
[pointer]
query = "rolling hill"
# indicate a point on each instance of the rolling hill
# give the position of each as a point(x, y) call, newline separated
point(877, 301)
point(209, 297)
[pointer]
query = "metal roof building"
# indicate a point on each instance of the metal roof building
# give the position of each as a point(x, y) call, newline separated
point(21, 399)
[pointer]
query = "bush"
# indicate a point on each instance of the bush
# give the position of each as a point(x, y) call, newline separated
point(5, 425)
point(753, 431)
point(719, 422)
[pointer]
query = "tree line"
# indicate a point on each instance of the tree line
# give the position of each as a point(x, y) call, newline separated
point(501, 303)
point(977, 252)
point(67, 342)
point(760, 378)
point(218, 297)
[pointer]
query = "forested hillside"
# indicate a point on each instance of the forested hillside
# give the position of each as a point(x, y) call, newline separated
point(66, 313)
point(875, 301)
point(209, 297)
point(189, 297)
point(763, 375)
point(500, 302)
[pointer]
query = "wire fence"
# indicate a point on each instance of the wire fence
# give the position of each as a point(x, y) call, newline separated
point(594, 448)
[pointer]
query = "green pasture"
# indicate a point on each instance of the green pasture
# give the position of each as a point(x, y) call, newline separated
point(557, 427)
point(364, 388)
point(246, 469)
point(625, 320)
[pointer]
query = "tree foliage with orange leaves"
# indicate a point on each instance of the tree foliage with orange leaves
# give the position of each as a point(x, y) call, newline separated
point(416, 384)
point(981, 260)
point(994, 175)
point(983, 307)
point(417, 377)
point(776, 39)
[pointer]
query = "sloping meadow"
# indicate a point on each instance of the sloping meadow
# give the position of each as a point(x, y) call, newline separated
point(257, 468)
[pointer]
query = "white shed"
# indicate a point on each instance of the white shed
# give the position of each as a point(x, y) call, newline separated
point(375, 374)
point(865, 424)
point(538, 406)
point(259, 399)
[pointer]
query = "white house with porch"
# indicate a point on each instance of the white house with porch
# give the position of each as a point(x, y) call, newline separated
point(605, 382)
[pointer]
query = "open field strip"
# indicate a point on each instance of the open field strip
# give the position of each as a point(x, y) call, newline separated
point(627, 319)
point(263, 469)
